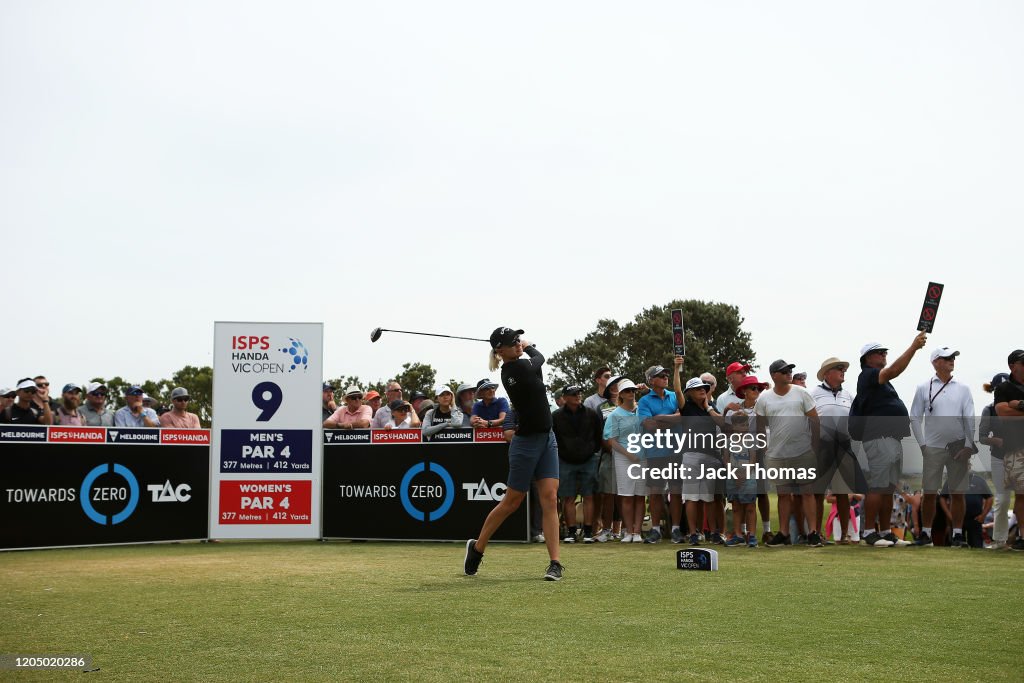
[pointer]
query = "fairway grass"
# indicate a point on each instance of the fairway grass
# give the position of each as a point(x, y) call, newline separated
point(389, 611)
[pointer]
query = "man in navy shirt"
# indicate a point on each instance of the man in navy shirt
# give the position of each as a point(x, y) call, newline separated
point(885, 423)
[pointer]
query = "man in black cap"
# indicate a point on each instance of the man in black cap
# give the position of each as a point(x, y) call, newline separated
point(789, 412)
point(578, 432)
point(1009, 402)
point(329, 405)
point(532, 453)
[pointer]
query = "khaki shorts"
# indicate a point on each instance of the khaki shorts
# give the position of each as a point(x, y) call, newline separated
point(790, 482)
point(1013, 467)
point(935, 461)
point(885, 463)
point(606, 474)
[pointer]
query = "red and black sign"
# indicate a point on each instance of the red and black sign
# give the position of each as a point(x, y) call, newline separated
point(678, 334)
point(931, 307)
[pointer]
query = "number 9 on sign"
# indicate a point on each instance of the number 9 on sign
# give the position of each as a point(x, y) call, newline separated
point(267, 397)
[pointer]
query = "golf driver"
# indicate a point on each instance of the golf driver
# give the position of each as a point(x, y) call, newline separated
point(377, 331)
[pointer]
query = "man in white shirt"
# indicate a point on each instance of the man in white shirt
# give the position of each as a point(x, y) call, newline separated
point(942, 419)
point(788, 411)
point(837, 465)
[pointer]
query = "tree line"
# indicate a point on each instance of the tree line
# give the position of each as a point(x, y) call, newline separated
point(714, 337)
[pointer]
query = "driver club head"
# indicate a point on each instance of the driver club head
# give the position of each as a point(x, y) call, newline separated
point(375, 334)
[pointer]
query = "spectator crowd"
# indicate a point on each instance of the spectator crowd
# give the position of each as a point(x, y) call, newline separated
point(835, 443)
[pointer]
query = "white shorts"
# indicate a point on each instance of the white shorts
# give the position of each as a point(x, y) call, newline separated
point(624, 484)
point(695, 487)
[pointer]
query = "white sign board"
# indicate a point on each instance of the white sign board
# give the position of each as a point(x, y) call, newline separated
point(266, 446)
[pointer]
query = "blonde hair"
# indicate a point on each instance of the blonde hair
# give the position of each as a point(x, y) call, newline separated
point(987, 386)
point(493, 360)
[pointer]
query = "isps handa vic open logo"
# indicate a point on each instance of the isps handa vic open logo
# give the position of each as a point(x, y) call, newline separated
point(297, 354)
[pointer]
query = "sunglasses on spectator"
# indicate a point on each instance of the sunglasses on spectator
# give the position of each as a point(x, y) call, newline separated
point(661, 376)
point(182, 398)
point(752, 389)
point(29, 391)
point(42, 385)
point(102, 394)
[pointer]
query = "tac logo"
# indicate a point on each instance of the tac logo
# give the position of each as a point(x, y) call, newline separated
point(511, 381)
point(482, 491)
point(329, 436)
point(410, 492)
point(166, 493)
point(128, 494)
point(297, 353)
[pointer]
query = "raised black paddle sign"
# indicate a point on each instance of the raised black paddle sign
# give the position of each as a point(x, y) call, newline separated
point(930, 309)
point(678, 334)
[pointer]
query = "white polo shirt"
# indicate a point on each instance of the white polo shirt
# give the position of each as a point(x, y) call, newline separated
point(834, 410)
point(939, 415)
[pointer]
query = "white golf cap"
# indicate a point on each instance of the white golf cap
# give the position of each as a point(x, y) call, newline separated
point(625, 384)
point(695, 383)
point(26, 384)
point(944, 352)
point(442, 389)
point(872, 346)
point(93, 386)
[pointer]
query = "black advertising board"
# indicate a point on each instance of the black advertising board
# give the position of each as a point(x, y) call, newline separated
point(416, 491)
point(930, 308)
point(56, 494)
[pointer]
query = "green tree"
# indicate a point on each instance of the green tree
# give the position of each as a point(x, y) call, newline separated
point(576, 363)
point(416, 377)
point(345, 381)
point(714, 337)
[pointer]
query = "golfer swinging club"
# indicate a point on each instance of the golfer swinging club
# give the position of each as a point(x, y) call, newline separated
point(532, 455)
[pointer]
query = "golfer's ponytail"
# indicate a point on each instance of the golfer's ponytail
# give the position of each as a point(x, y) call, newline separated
point(493, 360)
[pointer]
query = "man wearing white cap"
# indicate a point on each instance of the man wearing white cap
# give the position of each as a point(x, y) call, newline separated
point(879, 418)
point(352, 415)
point(95, 410)
point(946, 409)
point(29, 408)
point(836, 462)
point(7, 397)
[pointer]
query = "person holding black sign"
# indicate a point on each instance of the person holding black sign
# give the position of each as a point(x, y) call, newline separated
point(533, 452)
point(879, 418)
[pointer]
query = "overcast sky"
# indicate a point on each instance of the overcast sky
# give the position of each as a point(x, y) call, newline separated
point(452, 167)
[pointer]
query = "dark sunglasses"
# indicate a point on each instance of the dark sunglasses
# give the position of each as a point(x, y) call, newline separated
point(182, 398)
point(752, 388)
point(32, 390)
point(42, 385)
point(101, 394)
